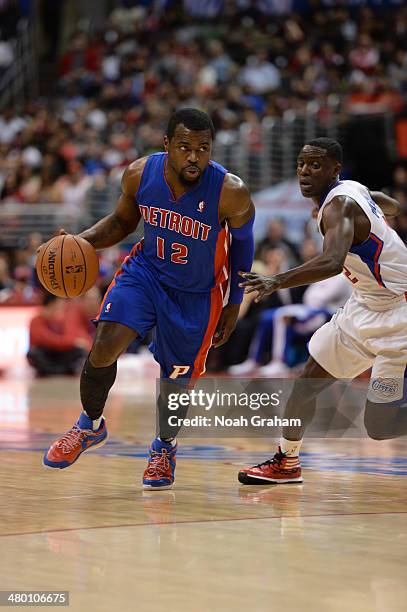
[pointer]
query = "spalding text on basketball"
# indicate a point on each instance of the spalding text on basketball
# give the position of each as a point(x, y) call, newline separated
point(52, 253)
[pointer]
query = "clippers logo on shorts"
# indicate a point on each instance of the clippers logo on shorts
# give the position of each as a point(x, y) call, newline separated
point(385, 387)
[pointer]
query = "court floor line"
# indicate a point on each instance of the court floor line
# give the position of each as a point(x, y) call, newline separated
point(203, 521)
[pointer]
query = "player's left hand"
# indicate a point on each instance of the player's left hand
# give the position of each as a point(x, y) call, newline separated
point(264, 285)
point(226, 325)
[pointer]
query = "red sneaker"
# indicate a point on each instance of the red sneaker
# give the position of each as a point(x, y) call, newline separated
point(69, 447)
point(159, 473)
point(279, 470)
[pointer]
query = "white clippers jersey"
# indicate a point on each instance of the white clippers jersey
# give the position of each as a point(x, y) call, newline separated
point(377, 267)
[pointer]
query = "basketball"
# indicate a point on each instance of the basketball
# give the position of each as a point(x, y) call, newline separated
point(67, 266)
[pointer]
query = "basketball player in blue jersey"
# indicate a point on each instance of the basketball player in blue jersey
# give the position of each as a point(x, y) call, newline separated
point(369, 331)
point(198, 221)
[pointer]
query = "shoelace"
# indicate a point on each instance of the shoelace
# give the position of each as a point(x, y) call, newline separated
point(73, 437)
point(277, 459)
point(159, 463)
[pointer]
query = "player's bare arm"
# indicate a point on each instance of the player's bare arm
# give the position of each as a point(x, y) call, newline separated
point(389, 206)
point(339, 233)
point(113, 228)
point(237, 210)
point(236, 206)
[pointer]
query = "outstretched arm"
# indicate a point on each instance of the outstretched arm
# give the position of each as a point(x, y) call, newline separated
point(124, 219)
point(338, 221)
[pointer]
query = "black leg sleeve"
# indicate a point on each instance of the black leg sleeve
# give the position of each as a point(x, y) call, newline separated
point(95, 386)
point(164, 427)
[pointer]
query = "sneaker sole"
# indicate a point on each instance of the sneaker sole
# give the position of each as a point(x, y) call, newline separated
point(246, 479)
point(93, 447)
point(153, 488)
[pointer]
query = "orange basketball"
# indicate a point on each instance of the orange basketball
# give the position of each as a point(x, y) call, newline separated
point(67, 266)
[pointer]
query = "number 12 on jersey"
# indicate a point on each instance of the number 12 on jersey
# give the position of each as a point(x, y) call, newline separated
point(179, 252)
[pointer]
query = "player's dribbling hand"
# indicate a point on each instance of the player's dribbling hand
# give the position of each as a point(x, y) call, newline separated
point(60, 232)
point(264, 285)
point(226, 324)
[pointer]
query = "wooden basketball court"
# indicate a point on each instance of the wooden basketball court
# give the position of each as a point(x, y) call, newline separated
point(338, 542)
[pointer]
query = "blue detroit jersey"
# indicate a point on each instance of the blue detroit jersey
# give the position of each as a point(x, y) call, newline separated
point(183, 240)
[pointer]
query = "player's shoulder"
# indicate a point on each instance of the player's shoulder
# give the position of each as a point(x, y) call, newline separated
point(235, 197)
point(132, 175)
point(346, 193)
point(234, 185)
point(136, 167)
point(350, 184)
point(345, 187)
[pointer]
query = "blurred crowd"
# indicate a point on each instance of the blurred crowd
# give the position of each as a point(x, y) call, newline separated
point(10, 19)
point(116, 89)
point(61, 333)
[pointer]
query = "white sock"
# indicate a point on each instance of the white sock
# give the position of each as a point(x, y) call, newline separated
point(96, 422)
point(291, 448)
point(172, 440)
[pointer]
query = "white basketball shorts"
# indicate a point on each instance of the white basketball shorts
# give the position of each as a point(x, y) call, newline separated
point(356, 339)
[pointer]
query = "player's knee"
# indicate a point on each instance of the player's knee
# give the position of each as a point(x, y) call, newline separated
point(110, 342)
point(312, 369)
point(309, 369)
point(102, 354)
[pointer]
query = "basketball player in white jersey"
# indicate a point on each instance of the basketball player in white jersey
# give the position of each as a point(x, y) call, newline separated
point(369, 331)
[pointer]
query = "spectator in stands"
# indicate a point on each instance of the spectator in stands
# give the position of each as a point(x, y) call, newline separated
point(34, 240)
point(10, 191)
point(260, 75)
point(80, 57)
point(59, 341)
point(400, 178)
point(22, 291)
point(260, 348)
point(282, 333)
point(74, 186)
point(117, 89)
point(30, 184)
point(6, 56)
point(6, 282)
point(235, 351)
point(276, 238)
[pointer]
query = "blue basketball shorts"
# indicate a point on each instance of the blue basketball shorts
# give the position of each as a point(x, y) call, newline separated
point(183, 323)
